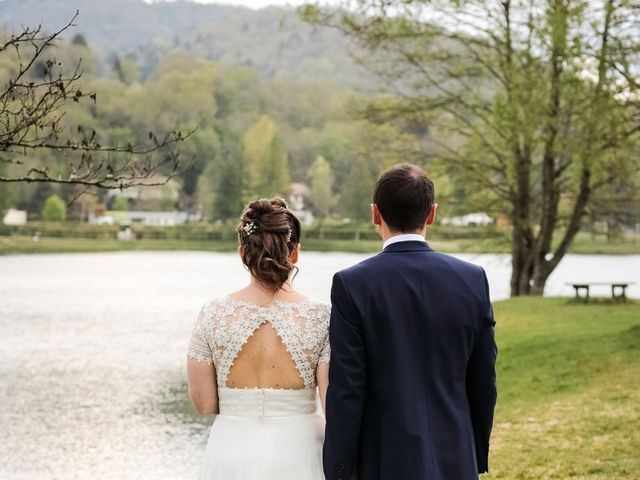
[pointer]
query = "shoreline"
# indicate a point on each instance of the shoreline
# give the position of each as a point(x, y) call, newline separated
point(17, 245)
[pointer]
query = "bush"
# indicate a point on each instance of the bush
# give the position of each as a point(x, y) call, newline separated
point(120, 204)
point(54, 209)
point(225, 232)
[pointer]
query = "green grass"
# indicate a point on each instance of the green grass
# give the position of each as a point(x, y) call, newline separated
point(20, 244)
point(569, 390)
point(23, 244)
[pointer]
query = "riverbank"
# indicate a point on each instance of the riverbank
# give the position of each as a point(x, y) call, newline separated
point(568, 402)
point(20, 244)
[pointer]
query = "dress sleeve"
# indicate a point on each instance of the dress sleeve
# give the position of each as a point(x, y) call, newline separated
point(199, 346)
point(325, 351)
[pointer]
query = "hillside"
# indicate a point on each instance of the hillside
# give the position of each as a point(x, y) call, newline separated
point(272, 40)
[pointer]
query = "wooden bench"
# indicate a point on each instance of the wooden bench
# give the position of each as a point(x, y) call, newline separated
point(618, 289)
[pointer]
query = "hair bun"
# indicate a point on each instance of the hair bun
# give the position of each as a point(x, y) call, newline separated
point(257, 208)
point(279, 202)
point(270, 215)
point(268, 233)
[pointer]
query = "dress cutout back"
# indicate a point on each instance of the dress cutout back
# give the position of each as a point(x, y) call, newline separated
point(251, 346)
point(264, 362)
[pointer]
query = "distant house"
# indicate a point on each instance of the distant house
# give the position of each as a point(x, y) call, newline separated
point(298, 192)
point(156, 219)
point(15, 217)
point(151, 197)
point(148, 205)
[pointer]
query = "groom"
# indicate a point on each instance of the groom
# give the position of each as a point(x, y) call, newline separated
point(412, 375)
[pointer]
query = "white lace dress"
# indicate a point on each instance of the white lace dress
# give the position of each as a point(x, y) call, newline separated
point(263, 433)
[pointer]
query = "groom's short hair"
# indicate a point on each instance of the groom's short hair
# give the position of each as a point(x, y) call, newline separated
point(404, 195)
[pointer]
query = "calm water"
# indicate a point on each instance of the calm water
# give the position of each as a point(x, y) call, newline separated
point(92, 350)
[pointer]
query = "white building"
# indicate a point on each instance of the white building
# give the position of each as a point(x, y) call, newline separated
point(156, 219)
point(15, 217)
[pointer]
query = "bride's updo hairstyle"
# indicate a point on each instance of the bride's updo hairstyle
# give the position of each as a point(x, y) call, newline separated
point(268, 233)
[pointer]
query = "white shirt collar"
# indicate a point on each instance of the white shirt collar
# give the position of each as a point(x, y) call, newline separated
point(405, 237)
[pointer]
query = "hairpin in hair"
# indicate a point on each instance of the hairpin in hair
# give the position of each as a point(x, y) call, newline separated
point(289, 235)
point(250, 228)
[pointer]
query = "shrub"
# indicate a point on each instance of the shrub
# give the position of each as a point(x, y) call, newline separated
point(54, 209)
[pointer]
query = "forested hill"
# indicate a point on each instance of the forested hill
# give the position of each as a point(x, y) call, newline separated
point(273, 40)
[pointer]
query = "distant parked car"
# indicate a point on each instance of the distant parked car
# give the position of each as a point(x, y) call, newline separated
point(469, 220)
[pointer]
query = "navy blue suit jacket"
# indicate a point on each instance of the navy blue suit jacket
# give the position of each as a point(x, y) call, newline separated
point(412, 385)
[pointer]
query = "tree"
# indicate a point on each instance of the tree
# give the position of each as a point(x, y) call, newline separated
point(541, 99)
point(33, 104)
point(78, 39)
point(120, 204)
point(617, 206)
point(228, 201)
point(356, 194)
point(6, 193)
point(126, 70)
point(321, 183)
point(54, 209)
point(266, 165)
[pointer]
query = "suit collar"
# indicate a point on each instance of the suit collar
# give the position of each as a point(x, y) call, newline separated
point(410, 246)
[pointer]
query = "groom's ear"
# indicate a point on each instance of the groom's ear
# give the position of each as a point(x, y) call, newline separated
point(376, 218)
point(431, 216)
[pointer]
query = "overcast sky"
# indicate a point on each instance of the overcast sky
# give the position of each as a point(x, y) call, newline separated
point(255, 3)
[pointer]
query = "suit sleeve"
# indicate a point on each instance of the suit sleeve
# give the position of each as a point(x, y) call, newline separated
point(481, 383)
point(347, 385)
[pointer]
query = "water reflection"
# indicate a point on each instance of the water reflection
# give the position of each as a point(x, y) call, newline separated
point(92, 354)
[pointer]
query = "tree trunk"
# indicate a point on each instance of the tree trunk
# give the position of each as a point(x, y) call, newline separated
point(541, 272)
point(522, 236)
point(520, 260)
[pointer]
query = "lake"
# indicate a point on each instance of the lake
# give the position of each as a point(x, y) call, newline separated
point(92, 353)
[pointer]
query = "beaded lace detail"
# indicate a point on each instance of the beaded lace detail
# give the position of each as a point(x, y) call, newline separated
point(225, 324)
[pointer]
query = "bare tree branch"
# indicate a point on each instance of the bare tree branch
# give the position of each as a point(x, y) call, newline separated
point(33, 118)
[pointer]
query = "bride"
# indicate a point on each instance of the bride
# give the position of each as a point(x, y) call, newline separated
point(258, 358)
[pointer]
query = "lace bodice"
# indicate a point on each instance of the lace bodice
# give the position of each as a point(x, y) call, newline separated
point(225, 324)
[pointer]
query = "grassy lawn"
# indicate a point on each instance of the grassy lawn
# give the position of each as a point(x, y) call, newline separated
point(23, 244)
point(569, 391)
point(19, 244)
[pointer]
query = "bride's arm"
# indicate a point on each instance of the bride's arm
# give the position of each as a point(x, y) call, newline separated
point(322, 369)
point(203, 390)
point(322, 378)
point(201, 371)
